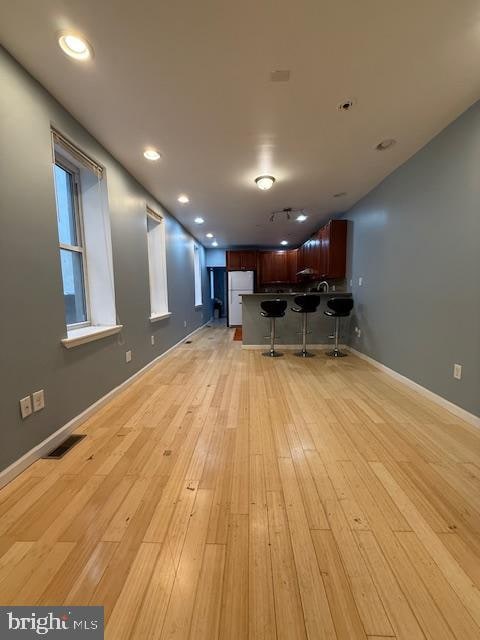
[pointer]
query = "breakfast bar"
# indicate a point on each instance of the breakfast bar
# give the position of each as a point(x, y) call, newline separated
point(255, 328)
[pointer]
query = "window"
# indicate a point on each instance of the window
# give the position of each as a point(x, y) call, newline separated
point(85, 244)
point(70, 234)
point(197, 273)
point(157, 265)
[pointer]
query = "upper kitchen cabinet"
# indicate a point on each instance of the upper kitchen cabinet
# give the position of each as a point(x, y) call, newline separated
point(241, 260)
point(326, 251)
point(278, 266)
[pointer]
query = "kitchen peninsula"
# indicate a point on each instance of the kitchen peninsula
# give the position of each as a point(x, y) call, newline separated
point(255, 327)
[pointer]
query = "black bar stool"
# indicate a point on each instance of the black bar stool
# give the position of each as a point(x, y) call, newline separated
point(306, 303)
point(338, 308)
point(273, 309)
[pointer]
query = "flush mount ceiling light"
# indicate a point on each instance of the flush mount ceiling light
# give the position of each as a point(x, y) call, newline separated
point(75, 46)
point(199, 220)
point(183, 199)
point(151, 154)
point(301, 217)
point(284, 243)
point(264, 182)
point(214, 243)
point(385, 144)
point(209, 235)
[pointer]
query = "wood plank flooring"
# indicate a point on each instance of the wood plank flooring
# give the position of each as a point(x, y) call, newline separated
point(227, 495)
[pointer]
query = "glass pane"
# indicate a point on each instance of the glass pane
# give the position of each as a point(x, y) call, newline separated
point(73, 286)
point(67, 229)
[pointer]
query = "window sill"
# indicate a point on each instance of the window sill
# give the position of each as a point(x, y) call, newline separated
point(155, 317)
point(76, 337)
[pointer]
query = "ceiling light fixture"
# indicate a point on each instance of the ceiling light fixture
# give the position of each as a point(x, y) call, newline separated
point(214, 243)
point(385, 144)
point(199, 220)
point(284, 243)
point(183, 199)
point(209, 235)
point(75, 46)
point(151, 154)
point(264, 182)
point(301, 217)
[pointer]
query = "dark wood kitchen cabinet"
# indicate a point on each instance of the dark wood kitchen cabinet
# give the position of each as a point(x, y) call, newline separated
point(278, 266)
point(242, 260)
point(326, 251)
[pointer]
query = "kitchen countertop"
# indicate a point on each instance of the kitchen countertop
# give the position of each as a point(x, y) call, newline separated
point(299, 293)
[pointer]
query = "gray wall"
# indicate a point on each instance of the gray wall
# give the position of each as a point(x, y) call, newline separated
point(32, 311)
point(415, 240)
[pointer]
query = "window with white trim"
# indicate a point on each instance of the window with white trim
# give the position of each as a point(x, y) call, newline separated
point(197, 273)
point(157, 264)
point(70, 233)
point(85, 243)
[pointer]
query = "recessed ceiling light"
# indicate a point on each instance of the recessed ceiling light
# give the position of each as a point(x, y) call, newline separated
point(183, 198)
point(209, 235)
point(214, 243)
point(199, 220)
point(284, 242)
point(280, 75)
point(385, 144)
point(340, 194)
point(301, 217)
point(75, 46)
point(151, 154)
point(264, 182)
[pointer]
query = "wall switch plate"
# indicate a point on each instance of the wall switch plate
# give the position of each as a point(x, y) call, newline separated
point(128, 356)
point(351, 283)
point(360, 281)
point(38, 400)
point(333, 287)
point(152, 340)
point(457, 371)
point(26, 407)
point(184, 323)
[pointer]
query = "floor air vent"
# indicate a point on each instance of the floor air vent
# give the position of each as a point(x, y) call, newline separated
point(65, 447)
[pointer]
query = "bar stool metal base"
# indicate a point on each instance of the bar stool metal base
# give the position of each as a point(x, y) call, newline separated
point(304, 354)
point(336, 353)
point(272, 354)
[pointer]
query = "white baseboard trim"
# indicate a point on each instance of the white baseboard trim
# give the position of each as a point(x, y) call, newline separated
point(443, 402)
point(8, 474)
point(297, 347)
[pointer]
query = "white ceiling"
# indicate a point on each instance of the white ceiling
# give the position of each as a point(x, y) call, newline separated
point(192, 78)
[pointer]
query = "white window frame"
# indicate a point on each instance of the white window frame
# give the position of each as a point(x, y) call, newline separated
point(157, 266)
point(197, 276)
point(73, 170)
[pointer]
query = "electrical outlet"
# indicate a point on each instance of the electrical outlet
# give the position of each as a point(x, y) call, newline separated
point(351, 283)
point(184, 323)
point(152, 340)
point(333, 287)
point(360, 281)
point(38, 400)
point(26, 407)
point(128, 356)
point(457, 371)
point(358, 332)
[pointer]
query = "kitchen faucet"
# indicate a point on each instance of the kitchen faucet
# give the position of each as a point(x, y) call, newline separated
point(327, 287)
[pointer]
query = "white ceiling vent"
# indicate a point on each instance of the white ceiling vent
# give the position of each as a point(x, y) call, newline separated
point(281, 75)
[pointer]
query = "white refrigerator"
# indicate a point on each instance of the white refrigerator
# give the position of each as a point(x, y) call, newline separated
point(239, 282)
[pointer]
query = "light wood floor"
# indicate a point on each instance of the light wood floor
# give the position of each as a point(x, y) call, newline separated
point(227, 495)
